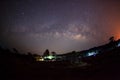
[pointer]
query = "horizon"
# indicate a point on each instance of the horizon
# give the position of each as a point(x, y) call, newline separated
point(50, 52)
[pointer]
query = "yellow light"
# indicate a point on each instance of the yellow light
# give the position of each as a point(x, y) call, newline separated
point(38, 58)
point(41, 59)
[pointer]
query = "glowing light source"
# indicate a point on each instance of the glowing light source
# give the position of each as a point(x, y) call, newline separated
point(41, 59)
point(92, 53)
point(49, 57)
point(119, 44)
point(38, 58)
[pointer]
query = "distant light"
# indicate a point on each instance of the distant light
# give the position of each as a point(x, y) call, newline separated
point(38, 58)
point(118, 44)
point(92, 53)
point(49, 57)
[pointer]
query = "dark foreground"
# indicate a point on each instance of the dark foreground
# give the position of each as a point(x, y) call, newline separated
point(103, 67)
point(42, 71)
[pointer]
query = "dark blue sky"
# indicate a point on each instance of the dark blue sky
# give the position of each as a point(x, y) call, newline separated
point(58, 25)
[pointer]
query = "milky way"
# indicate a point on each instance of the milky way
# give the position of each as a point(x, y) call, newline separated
point(58, 25)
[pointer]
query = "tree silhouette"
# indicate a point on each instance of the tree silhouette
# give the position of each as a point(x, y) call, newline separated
point(111, 39)
point(46, 53)
point(15, 50)
point(29, 53)
point(53, 53)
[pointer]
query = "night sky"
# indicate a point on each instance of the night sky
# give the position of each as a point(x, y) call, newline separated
point(58, 25)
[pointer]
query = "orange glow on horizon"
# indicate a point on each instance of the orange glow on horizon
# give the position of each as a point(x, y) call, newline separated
point(117, 36)
point(116, 29)
point(117, 33)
